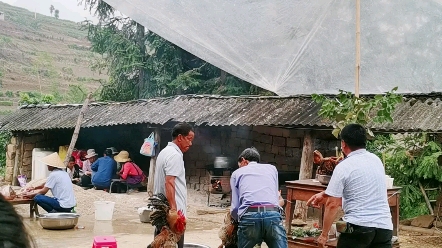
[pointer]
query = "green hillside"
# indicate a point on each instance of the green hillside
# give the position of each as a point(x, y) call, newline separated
point(41, 54)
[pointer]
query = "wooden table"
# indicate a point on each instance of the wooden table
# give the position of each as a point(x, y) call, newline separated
point(33, 207)
point(302, 190)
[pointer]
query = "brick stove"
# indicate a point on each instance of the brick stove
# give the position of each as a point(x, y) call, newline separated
point(219, 179)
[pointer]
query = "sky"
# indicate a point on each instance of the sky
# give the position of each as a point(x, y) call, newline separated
point(69, 9)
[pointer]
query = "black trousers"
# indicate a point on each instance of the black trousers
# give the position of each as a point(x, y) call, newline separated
point(366, 237)
point(180, 243)
point(85, 181)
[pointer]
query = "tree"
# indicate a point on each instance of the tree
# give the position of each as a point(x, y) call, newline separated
point(141, 64)
point(57, 14)
point(346, 108)
point(51, 9)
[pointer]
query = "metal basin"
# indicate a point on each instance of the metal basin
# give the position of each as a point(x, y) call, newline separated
point(195, 246)
point(58, 221)
point(324, 179)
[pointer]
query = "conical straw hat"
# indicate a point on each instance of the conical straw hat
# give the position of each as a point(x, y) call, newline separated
point(122, 157)
point(53, 160)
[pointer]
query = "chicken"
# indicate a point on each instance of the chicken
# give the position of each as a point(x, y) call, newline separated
point(172, 223)
point(325, 165)
point(228, 232)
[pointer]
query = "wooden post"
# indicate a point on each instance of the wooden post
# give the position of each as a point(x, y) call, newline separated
point(77, 128)
point(305, 173)
point(153, 162)
point(18, 158)
point(358, 46)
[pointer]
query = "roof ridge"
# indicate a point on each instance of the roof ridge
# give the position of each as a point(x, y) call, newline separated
point(417, 96)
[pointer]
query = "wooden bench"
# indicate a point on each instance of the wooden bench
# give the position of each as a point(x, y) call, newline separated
point(33, 207)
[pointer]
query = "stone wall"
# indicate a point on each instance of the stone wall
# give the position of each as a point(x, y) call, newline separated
point(24, 157)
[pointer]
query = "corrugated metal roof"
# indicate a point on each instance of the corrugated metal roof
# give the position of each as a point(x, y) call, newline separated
point(298, 111)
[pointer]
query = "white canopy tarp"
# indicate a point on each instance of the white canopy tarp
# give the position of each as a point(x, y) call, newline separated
point(302, 47)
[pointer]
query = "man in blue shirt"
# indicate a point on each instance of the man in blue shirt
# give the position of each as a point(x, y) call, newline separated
point(103, 170)
point(255, 202)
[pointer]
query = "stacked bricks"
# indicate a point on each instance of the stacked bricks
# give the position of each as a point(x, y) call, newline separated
point(279, 146)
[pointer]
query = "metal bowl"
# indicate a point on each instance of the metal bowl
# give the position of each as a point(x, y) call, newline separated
point(324, 179)
point(58, 221)
point(188, 245)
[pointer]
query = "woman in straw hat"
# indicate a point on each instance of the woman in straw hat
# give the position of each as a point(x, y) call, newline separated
point(130, 172)
point(60, 185)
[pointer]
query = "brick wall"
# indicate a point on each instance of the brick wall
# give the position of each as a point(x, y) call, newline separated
point(209, 143)
point(278, 146)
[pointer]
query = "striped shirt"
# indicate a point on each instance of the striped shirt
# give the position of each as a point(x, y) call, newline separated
point(360, 181)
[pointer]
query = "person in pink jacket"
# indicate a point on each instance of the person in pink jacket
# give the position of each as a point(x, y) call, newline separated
point(130, 172)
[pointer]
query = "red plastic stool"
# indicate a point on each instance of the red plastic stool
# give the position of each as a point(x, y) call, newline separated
point(104, 242)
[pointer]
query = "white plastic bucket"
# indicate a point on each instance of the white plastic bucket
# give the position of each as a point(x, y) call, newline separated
point(104, 210)
point(389, 181)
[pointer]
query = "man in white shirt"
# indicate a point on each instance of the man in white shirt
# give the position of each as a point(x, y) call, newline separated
point(170, 174)
point(358, 184)
point(60, 185)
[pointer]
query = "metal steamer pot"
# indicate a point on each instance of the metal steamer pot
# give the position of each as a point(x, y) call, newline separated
point(58, 221)
point(221, 163)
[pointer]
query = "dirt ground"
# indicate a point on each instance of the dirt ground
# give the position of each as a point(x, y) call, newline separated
point(131, 233)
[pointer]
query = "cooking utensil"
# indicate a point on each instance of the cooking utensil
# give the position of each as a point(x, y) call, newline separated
point(324, 179)
point(189, 245)
point(221, 162)
point(58, 221)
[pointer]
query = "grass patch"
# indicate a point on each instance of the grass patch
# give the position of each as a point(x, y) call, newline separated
point(6, 103)
point(5, 112)
point(9, 93)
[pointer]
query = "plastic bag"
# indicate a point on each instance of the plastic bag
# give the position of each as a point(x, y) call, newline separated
point(8, 192)
point(148, 147)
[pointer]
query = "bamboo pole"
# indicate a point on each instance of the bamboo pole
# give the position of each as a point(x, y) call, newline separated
point(77, 128)
point(427, 201)
point(153, 162)
point(358, 46)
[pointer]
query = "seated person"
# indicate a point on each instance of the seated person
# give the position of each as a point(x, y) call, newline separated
point(103, 171)
point(130, 171)
point(73, 170)
point(114, 153)
point(60, 185)
point(86, 178)
point(14, 233)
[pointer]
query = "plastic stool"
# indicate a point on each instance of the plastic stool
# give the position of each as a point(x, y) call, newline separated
point(104, 242)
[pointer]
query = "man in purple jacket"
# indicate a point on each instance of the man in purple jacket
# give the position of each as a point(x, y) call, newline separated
point(255, 202)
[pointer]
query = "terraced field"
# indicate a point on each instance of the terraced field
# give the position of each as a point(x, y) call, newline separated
point(42, 54)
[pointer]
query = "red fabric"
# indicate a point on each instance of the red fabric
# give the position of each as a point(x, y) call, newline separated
point(130, 169)
point(78, 155)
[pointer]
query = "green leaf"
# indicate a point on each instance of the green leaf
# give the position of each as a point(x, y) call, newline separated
point(336, 132)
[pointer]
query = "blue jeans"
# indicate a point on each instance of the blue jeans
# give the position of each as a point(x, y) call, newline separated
point(50, 204)
point(255, 227)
